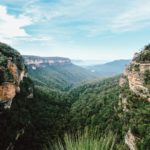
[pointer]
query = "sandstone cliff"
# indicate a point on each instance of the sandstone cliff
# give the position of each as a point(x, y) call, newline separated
point(135, 88)
point(137, 74)
point(12, 71)
point(36, 61)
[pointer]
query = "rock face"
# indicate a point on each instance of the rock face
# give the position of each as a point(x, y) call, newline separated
point(135, 79)
point(130, 140)
point(12, 71)
point(36, 61)
point(137, 74)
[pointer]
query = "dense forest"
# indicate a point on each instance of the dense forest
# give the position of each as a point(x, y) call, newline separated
point(62, 77)
point(50, 114)
point(91, 115)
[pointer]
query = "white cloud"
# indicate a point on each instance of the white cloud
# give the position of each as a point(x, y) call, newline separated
point(135, 17)
point(12, 26)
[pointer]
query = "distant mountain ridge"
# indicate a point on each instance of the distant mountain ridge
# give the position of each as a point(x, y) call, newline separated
point(61, 73)
point(56, 72)
point(37, 60)
point(109, 69)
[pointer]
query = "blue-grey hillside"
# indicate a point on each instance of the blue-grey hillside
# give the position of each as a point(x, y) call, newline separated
point(109, 69)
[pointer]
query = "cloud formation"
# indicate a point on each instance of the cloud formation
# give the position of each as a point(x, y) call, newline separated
point(135, 17)
point(60, 25)
point(12, 26)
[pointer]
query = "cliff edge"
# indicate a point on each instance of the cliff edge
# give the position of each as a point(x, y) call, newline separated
point(135, 100)
point(12, 71)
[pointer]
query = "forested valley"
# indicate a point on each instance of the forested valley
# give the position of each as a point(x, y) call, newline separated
point(99, 114)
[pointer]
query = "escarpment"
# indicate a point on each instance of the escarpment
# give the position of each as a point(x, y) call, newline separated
point(135, 100)
point(12, 71)
point(36, 61)
point(137, 74)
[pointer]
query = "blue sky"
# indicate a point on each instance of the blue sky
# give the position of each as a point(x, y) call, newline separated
point(78, 29)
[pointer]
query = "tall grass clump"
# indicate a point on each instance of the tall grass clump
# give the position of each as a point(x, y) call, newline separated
point(87, 140)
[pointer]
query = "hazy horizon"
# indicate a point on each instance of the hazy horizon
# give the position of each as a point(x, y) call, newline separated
point(84, 30)
point(74, 59)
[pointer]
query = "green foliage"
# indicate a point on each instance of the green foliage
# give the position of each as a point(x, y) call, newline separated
point(49, 112)
point(15, 119)
point(3, 60)
point(5, 75)
point(93, 104)
point(43, 117)
point(134, 67)
point(8, 52)
point(137, 118)
point(62, 77)
point(8, 76)
point(147, 77)
point(137, 67)
point(144, 55)
point(147, 47)
point(88, 140)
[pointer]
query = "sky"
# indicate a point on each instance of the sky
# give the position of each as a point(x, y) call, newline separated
point(78, 29)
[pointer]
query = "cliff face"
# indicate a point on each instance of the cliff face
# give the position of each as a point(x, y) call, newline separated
point(12, 71)
point(137, 74)
point(135, 95)
point(36, 61)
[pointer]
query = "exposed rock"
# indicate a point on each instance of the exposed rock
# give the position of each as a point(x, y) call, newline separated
point(135, 73)
point(12, 71)
point(130, 140)
point(135, 80)
point(30, 96)
point(30, 93)
point(7, 91)
point(36, 61)
point(122, 81)
point(144, 67)
point(125, 104)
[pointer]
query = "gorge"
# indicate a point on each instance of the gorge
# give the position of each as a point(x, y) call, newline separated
point(37, 111)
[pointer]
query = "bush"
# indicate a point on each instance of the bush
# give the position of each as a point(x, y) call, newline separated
point(88, 140)
point(147, 77)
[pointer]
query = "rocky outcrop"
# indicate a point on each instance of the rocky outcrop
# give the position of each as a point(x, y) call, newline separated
point(12, 71)
point(7, 93)
point(135, 81)
point(135, 74)
point(130, 140)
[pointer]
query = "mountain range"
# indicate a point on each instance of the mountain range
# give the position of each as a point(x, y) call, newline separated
point(61, 73)
point(108, 69)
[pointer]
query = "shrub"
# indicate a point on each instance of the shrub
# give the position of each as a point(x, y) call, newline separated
point(88, 140)
point(147, 77)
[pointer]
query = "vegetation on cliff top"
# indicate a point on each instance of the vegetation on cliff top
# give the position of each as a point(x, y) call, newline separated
point(144, 55)
point(8, 53)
